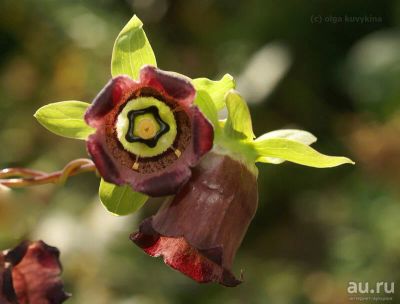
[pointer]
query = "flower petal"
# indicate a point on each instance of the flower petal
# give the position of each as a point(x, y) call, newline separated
point(172, 84)
point(116, 91)
point(166, 183)
point(202, 135)
point(103, 159)
point(180, 255)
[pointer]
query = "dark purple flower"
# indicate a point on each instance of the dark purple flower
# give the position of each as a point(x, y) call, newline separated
point(30, 274)
point(199, 230)
point(148, 132)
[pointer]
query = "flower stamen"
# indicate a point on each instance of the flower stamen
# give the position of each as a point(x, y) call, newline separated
point(136, 164)
point(177, 152)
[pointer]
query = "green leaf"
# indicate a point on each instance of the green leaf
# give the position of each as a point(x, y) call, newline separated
point(131, 50)
point(120, 200)
point(216, 89)
point(207, 107)
point(296, 152)
point(297, 135)
point(65, 118)
point(238, 124)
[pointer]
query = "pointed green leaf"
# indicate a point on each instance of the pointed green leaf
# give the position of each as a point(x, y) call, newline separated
point(65, 118)
point(207, 107)
point(297, 135)
point(216, 89)
point(296, 152)
point(131, 50)
point(238, 124)
point(120, 200)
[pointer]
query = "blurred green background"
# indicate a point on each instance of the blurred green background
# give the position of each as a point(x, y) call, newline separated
point(301, 64)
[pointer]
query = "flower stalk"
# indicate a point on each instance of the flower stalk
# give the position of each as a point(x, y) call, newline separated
point(23, 177)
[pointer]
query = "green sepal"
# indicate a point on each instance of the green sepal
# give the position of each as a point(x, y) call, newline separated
point(238, 124)
point(120, 200)
point(65, 118)
point(131, 50)
point(207, 107)
point(297, 135)
point(296, 152)
point(215, 89)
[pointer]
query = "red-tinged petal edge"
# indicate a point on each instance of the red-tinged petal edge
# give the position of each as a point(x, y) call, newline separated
point(31, 275)
point(180, 255)
point(115, 92)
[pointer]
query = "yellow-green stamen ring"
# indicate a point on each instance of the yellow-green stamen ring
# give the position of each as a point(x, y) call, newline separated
point(144, 126)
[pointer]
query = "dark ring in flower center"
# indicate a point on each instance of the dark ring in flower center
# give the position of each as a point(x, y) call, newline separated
point(150, 142)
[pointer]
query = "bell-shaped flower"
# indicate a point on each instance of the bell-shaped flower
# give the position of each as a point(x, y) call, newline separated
point(199, 230)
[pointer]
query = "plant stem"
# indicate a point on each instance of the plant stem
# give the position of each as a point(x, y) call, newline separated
point(22, 177)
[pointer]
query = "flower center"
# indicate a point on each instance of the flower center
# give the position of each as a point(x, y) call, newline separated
point(146, 127)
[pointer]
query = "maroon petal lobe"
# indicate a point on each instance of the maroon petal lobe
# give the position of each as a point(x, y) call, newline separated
point(35, 275)
point(199, 230)
point(105, 163)
point(167, 183)
point(202, 135)
point(171, 84)
point(116, 91)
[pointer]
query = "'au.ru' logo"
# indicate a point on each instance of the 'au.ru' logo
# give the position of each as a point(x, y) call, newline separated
point(363, 288)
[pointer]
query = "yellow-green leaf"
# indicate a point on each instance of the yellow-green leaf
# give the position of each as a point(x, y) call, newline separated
point(131, 50)
point(297, 135)
point(216, 89)
point(238, 123)
point(296, 152)
point(65, 118)
point(120, 200)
